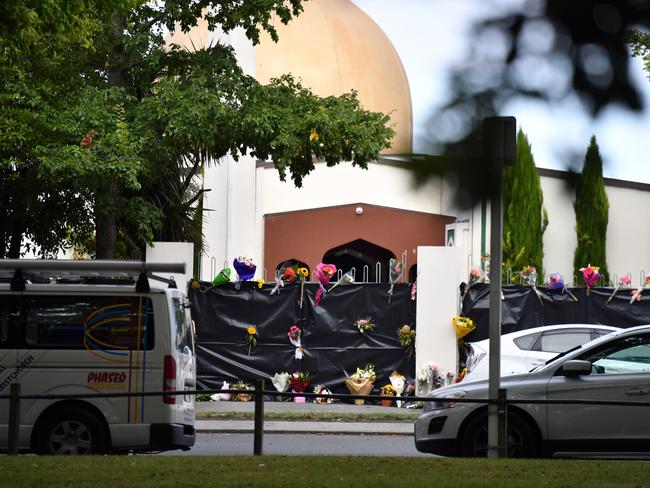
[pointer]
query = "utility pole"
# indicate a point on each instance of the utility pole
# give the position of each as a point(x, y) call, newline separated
point(499, 138)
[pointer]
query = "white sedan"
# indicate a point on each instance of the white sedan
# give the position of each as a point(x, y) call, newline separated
point(613, 370)
point(524, 350)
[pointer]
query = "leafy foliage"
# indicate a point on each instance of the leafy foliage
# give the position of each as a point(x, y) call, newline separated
point(525, 218)
point(114, 126)
point(591, 208)
point(640, 43)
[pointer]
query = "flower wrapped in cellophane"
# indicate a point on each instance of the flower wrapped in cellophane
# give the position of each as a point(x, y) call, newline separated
point(245, 269)
point(280, 381)
point(362, 381)
point(590, 275)
point(636, 294)
point(242, 397)
point(556, 283)
point(429, 378)
point(463, 325)
point(398, 383)
point(294, 338)
point(474, 277)
point(395, 271)
point(299, 381)
point(322, 390)
point(623, 282)
point(366, 324)
point(345, 279)
point(528, 276)
point(324, 273)
point(406, 337)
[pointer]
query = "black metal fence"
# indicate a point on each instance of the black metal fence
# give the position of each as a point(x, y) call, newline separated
point(260, 392)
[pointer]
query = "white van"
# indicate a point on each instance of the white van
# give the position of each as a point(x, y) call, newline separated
point(76, 339)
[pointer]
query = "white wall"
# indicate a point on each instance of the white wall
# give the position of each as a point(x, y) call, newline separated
point(437, 304)
point(172, 252)
point(628, 232)
point(382, 184)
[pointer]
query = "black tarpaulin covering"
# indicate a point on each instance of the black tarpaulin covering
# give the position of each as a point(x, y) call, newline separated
point(521, 308)
point(333, 347)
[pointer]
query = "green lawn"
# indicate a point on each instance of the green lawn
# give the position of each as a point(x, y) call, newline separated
point(283, 471)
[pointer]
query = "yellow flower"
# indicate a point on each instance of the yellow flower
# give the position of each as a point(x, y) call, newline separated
point(303, 271)
point(313, 135)
point(251, 330)
point(195, 284)
point(260, 282)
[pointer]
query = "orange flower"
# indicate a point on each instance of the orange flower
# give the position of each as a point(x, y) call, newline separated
point(251, 330)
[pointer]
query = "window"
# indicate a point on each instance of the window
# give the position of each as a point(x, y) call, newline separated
point(526, 343)
point(629, 355)
point(562, 340)
point(9, 321)
point(184, 331)
point(89, 322)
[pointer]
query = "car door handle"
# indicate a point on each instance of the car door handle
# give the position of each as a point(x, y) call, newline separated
point(637, 391)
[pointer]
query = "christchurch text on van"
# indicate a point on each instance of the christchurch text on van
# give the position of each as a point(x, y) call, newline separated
point(9, 379)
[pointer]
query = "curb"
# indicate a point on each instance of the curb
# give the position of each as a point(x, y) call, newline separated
point(301, 427)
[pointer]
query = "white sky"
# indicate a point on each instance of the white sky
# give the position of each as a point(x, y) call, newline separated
point(431, 36)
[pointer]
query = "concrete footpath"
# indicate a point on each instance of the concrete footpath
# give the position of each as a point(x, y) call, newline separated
point(335, 426)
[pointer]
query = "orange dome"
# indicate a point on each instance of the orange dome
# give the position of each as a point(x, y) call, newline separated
point(334, 47)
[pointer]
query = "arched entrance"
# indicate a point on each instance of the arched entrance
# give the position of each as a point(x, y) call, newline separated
point(362, 256)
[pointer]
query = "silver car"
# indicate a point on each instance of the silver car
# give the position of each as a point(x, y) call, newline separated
point(613, 368)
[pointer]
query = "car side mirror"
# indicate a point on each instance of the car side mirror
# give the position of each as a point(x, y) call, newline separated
point(576, 367)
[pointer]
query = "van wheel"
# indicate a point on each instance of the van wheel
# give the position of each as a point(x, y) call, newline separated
point(71, 431)
point(522, 440)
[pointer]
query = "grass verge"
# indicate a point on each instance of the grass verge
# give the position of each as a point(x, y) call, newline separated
point(282, 471)
point(311, 416)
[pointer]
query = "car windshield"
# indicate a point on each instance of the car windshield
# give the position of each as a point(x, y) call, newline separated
point(562, 354)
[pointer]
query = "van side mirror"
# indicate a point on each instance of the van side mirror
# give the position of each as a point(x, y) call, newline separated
point(576, 367)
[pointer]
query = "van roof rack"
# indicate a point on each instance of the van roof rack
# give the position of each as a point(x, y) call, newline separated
point(106, 268)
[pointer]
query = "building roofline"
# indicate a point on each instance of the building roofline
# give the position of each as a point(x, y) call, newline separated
point(613, 182)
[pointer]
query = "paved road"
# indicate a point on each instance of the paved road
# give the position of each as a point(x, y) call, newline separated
point(213, 444)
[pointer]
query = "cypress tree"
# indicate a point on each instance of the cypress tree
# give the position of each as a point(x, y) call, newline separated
point(524, 217)
point(591, 207)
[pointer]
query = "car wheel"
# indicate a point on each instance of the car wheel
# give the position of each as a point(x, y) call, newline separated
point(522, 441)
point(72, 431)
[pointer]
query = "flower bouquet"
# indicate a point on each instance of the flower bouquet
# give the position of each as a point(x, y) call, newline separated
point(406, 338)
point(299, 382)
point(346, 279)
point(624, 281)
point(636, 294)
point(222, 278)
point(395, 271)
point(528, 276)
point(387, 391)
point(590, 274)
point(321, 390)
point(242, 397)
point(251, 338)
point(556, 282)
point(398, 382)
point(365, 324)
point(429, 378)
point(294, 338)
point(474, 277)
point(280, 381)
point(245, 269)
point(324, 273)
point(463, 325)
point(361, 382)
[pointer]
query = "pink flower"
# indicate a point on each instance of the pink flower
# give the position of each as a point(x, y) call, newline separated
point(625, 280)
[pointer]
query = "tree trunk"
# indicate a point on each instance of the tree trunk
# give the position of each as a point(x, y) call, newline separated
point(105, 221)
point(105, 224)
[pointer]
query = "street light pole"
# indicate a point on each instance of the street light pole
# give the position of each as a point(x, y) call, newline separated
point(500, 147)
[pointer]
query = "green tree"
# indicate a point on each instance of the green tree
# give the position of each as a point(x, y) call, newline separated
point(591, 208)
point(130, 123)
point(640, 44)
point(524, 218)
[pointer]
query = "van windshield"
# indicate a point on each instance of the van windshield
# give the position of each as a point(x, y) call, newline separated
point(184, 332)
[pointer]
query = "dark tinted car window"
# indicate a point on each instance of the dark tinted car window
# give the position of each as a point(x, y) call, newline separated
point(95, 323)
point(526, 343)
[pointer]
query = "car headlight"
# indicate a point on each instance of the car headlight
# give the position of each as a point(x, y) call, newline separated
point(437, 403)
